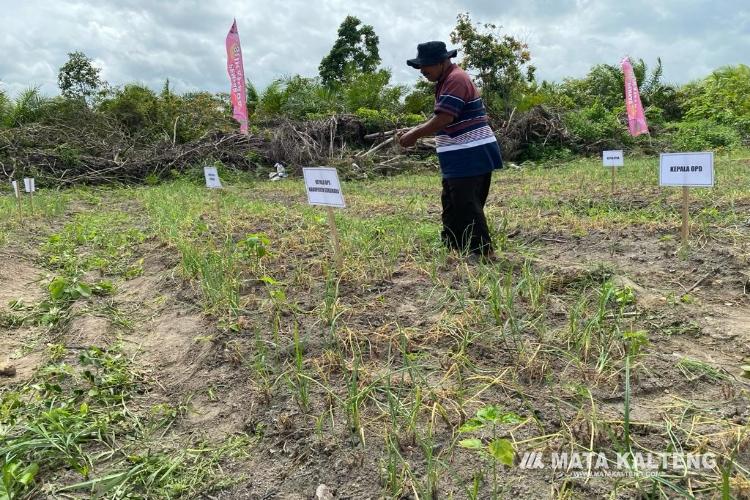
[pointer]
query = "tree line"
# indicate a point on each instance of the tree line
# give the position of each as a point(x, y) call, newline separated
point(710, 113)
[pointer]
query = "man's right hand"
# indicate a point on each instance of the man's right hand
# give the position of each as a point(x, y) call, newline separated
point(408, 139)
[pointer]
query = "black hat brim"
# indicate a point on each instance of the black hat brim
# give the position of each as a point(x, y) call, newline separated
point(419, 62)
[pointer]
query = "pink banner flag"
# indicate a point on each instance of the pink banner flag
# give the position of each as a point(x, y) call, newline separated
point(237, 77)
point(636, 119)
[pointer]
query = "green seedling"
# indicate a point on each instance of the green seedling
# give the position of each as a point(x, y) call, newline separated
point(498, 450)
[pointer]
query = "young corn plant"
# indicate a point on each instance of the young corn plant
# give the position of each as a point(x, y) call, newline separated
point(261, 364)
point(300, 382)
point(501, 297)
point(531, 287)
point(392, 468)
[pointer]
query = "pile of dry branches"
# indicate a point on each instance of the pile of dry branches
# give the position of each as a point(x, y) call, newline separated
point(539, 125)
point(100, 151)
point(310, 142)
point(96, 150)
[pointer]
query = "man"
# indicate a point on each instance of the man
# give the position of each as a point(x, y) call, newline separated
point(466, 147)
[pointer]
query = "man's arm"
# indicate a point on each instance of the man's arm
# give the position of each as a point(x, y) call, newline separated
point(438, 122)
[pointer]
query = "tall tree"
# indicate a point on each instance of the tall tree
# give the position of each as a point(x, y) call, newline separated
point(501, 61)
point(355, 49)
point(79, 78)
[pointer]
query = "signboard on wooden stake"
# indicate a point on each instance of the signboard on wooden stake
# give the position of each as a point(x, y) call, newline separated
point(324, 189)
point(686, 170)
point(30, 188)
point(213, 182)
point(212, 178)
point(17, 192)
point(613, 159)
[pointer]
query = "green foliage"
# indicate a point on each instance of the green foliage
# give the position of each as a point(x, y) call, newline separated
point(713, 113)
point(305, 98)
point(502, 62)
point(723, 98)
point(16, 478)
point(29, 107)
point(421, 99)
point(498, 450)
point(255, 246)
point(597, 124)
point(604, 86)
point(355, 49)
point(252, 97)
point(55, 428)
point(68, 155)
point(605, 83)
point(135, 106)
point(78, 78)
point(297, 97)
point(201, 112)
point(703, 135)
point(370, 90)
point(101, 242)
point(5, 107)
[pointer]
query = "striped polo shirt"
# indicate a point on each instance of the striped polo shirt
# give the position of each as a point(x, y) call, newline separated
point(467, 146)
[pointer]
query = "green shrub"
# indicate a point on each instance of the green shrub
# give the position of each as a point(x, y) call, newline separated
point(723, 97)
point(596, 124)
point(371, 90)
point(29, 107)
point(421, 99)
point(411, 119)
point(135, 106)
point(297, 97)
point(703, 135)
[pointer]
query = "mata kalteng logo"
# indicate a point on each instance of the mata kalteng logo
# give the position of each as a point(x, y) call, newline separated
point(580, 464)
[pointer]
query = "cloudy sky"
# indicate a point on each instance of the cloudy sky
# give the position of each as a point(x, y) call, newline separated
point(147, 41)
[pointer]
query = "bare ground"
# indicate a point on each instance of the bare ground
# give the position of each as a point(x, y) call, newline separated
point(696, 307)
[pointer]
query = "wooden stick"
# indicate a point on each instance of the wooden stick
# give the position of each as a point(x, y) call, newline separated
point(375, 148)
point(17, 192)
point(685, 216)
point(613, 179)
point(31, 201)
point(712, 271)
point(217, 199)
point(383, 135)
point(335, 234)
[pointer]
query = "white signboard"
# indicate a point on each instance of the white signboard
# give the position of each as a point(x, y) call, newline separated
point(212, 177)
point(612, 158)
point(323, 187)
point(15, 189)
point(29, 184)
point(686, 169)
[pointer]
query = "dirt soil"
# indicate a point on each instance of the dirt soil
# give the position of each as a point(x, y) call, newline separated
point(696, 307)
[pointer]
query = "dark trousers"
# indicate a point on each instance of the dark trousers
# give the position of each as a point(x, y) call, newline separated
point(464, 225)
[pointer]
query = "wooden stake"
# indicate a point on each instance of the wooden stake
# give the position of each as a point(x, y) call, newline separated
point(17, 192)
point(685, 216)
point(31, 201)
point(335, 234)
point(613, 179)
